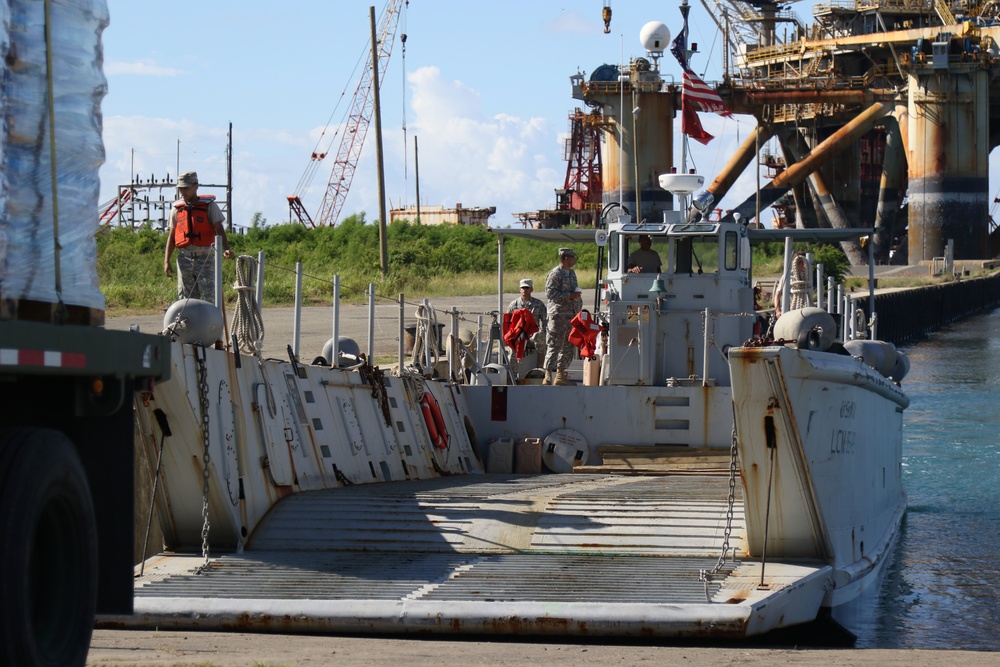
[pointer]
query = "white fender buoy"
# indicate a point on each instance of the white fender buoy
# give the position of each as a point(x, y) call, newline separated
point(798, 323)
point(346, 347)
point(878, 354)
point(194, 321)
point(901, 368)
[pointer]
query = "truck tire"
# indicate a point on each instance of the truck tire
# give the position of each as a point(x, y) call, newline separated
point(48, 550)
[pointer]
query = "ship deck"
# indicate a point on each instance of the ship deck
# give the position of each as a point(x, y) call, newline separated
point(584, 554)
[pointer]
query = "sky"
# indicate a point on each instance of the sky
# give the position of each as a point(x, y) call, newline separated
point(484, 86)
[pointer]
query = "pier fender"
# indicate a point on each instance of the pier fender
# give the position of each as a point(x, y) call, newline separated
point(799, 325)
point(193, 321)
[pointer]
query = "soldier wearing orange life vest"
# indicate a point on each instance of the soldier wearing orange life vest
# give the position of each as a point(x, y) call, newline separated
point(194, 223)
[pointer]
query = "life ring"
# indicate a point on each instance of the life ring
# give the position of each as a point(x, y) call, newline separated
point(434, 421)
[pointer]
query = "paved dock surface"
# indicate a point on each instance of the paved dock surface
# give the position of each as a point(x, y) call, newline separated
point(114, 648)
point(316, 324)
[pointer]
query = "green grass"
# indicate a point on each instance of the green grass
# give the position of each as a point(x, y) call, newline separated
point(424, 261)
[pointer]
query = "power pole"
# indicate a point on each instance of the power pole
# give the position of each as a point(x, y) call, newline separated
point(383, 246)
point(416, 168)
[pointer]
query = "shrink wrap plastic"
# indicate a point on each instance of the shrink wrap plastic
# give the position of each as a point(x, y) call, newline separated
point(27, 250)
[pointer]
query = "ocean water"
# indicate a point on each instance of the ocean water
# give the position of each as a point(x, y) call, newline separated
point(943, 589)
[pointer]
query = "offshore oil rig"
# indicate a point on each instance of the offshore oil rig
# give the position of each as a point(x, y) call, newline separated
point(885, 112)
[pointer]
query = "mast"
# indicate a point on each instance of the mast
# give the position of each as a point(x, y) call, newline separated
point(685, 10)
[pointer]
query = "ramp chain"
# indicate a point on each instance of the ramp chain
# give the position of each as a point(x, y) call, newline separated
point(706, 575)
point(200, 356)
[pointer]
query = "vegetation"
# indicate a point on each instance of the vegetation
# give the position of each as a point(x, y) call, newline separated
point(423, 261)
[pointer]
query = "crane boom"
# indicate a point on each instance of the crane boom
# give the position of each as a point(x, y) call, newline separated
point(358, 120)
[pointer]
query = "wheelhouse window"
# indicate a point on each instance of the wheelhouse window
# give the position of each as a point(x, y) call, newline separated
point(614, 252)
point(697, 254)
point(732, 251)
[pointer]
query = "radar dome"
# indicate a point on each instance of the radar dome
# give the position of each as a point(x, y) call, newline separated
point(655, 36)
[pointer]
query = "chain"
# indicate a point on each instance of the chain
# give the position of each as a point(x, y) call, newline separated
point(706, 575)
point(200, 356)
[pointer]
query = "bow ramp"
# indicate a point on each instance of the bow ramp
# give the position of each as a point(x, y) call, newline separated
point(555, 554)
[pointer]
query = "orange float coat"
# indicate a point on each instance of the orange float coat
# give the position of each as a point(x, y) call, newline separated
point(583, 333)
point(518, 327)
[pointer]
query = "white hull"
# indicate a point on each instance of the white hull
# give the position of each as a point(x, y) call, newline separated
point(340, 513)
point(829, 486)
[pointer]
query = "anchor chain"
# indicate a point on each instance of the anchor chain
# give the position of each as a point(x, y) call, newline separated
point(200, 358)
point(705, 576)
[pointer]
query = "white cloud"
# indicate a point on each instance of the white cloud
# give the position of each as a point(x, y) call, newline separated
point(503, 161)
point(139, 68)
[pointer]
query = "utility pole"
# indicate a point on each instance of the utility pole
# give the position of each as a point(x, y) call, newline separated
point(416, 168)
point(383, 246)
point(229, 179)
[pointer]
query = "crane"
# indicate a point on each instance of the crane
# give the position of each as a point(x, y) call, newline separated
point(353, 137)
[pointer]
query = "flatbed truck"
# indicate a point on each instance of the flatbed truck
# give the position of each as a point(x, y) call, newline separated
point(66, 482)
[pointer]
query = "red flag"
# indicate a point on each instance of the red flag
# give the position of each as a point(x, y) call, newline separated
point(699, 94)
point(696, 95)
point(691, 125)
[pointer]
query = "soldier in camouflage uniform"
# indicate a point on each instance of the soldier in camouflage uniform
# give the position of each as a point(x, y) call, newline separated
point(538, 311)
point(195, 222)
point(564, 297)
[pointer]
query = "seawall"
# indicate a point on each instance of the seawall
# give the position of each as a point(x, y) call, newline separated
point(908, 313)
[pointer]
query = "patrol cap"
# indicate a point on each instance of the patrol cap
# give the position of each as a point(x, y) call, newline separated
point(527, 283)
point(187, 179)
point(567, 252)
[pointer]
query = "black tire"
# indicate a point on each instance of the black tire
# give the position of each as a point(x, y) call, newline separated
point(48, 551)
point(811, 339)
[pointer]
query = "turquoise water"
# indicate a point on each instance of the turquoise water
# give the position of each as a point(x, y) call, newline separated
point(943, 589)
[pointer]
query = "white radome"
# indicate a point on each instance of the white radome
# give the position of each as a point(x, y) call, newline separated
point(655, 36)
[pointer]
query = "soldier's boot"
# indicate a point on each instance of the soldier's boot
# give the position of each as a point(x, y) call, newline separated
point(561, 379)
point(548, 377)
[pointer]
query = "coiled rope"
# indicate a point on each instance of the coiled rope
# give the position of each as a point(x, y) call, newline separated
point(248, 325)
point(247, 322)
point(800, 287)
point(425, 338)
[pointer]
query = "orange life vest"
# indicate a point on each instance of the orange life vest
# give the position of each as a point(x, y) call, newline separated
point(518, 327)
point(583, 333)
point(194, 225)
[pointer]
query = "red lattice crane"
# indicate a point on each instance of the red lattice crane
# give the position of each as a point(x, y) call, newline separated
point(354, 131)
point(583, 186)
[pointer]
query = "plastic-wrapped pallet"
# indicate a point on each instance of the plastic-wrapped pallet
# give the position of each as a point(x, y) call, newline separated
point(27, 198)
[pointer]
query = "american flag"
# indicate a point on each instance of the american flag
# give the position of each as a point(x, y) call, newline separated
point(696, 95)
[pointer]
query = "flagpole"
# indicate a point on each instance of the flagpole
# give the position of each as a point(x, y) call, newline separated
point(621, 122)
point(685, 9)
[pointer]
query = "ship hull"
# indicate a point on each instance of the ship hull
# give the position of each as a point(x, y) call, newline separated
point(811, 426)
